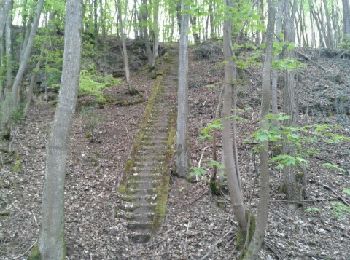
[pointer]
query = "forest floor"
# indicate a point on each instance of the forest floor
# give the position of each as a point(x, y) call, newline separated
point(196, 225)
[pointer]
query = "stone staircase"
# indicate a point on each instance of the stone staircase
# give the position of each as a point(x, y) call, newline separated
point(144, 189)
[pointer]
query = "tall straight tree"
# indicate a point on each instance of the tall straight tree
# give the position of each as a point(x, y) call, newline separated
point(262, 216)
point(346, 19)
point(4, 12)
point(291, 183)
point(228, 140)
point(182, 97)
point(26, 53)
point(51, 240)
point(119, 8)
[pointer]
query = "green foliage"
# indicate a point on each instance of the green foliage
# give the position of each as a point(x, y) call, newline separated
point(207, 132)
point(284, 160)
point(18, 114)
point(197, 172)
point(93, 84)
point(301, 138)
point(216, 164)
point(347, 191)
point(287, 64)
point(340, 209)
point(312, 210)
point(331, 166)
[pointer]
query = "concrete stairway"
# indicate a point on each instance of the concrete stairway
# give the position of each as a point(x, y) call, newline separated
point(144, 190)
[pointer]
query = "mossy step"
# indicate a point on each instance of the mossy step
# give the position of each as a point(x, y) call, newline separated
point(131, 206)
point(134, 216)
point(146, 154)
point(144, 175)
point(147, 164)
point(150, 141)
point(143, 158)
point(146, 168)
point(141, 237)
point(145, 181)
point(152, 147)
point(138, 197)
point(141, 190)
point(140, 225)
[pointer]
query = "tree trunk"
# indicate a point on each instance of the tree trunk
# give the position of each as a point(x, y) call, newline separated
point(346, 19)
point(182, 97)
point(51, 240)
point(26, 54)
point(264, 192)
point(227, 138)
point(122, 34)
point(9, 50)
point(145, 32)
point(290, 108)
point(155, 31)
point(4, 12)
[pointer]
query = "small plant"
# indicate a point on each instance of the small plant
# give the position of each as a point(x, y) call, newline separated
point(90, 123)
point(312, 210)
point(340, 209)
point(93, 84)
point(347, 191)
point(334, 167)
point(17, 166)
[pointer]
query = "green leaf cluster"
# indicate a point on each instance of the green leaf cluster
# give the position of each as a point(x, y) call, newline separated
point(93, 84)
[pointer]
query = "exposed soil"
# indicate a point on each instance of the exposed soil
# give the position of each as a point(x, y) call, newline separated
point(196, 225)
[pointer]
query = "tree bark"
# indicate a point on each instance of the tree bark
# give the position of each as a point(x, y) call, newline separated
point(182, 97)
point(4, 12)
point(9, 50)
point(227, 138)
point(26, 54)
point(346, 19)
point(122, 34)
point(264, 192)
point(51, 240)
point(144, 15)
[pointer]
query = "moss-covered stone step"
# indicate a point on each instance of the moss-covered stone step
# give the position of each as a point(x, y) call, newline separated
point(146, 197)
point(140, 237)
point(131, 206)
point(143, 191)
point(130, 215)
point(140, 182)
point(138, 225)
point(144, 175)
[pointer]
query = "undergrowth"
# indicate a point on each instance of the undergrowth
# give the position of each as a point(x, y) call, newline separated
point(93, 84)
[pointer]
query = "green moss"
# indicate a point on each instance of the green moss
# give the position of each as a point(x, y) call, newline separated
point(35, 253)
point(299, 177)
point(214, 187)
point(17, 165)
point(283, 189)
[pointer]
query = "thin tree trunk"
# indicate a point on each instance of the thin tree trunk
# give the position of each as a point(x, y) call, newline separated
point(51, 240)
point(144, 16)
point(122, 34)
point(155, 31)
point(227, 138)
point(346, 19)
point(9, 50)
point(264, 192)
point(4, 12)
point(182, 97)
point(26, 54)
point(290, 108)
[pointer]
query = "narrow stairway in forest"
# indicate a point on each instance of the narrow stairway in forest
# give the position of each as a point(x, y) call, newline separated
point(144, 189)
